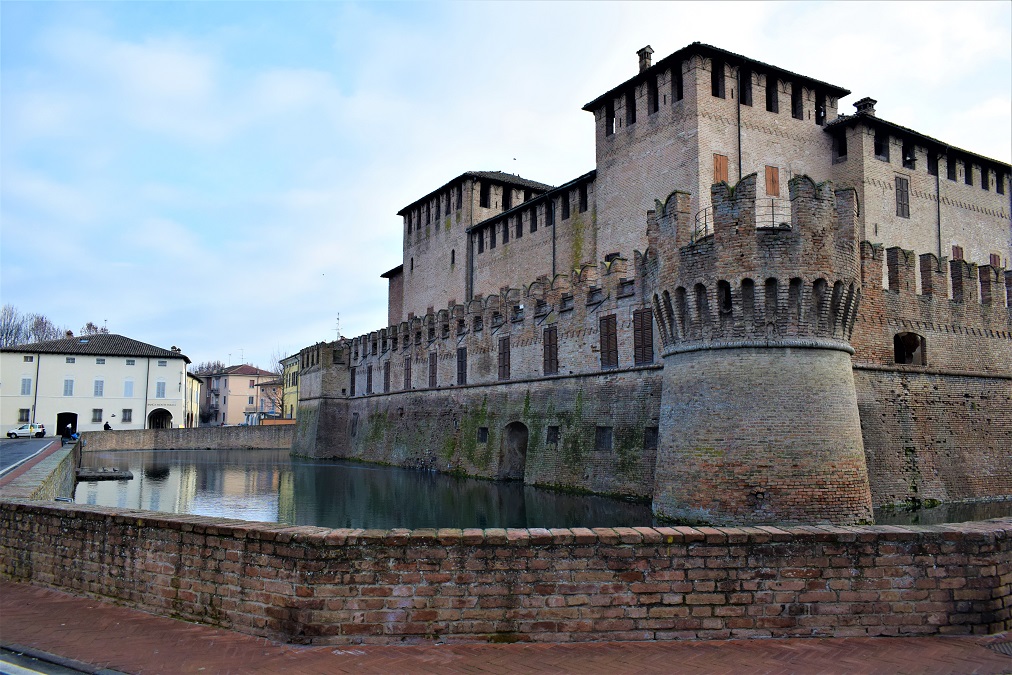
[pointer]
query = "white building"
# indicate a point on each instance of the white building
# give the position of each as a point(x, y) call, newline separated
point(89, 380)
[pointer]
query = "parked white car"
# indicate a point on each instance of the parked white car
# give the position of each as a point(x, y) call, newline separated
point(28, 431)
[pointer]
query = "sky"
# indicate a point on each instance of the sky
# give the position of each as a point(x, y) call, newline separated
point(225, 176)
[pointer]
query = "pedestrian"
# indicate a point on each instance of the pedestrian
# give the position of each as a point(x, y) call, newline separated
point(107, 427)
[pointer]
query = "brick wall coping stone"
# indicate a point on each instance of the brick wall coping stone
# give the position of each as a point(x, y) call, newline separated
point(796, 343)
point(997, 528)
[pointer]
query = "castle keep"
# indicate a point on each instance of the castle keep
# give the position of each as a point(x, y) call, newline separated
point(754, 309)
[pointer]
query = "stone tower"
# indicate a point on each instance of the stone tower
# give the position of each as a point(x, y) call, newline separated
point(755, 301)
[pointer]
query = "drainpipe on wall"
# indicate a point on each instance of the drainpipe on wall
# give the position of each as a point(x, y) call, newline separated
point(938, 205)
point(552, 204)
point(147, 379)
point(737, 78)
point(470, 242)
point(35, 400)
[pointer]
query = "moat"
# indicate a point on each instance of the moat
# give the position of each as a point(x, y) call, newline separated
point(273, 486)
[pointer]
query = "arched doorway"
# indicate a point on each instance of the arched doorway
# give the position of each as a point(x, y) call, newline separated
point(160, 418)
point(513, 454)
point(64, 420)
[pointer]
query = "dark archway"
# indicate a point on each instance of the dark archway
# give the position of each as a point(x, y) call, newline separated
point(64, 420)
point(159, 418)
point(513, 453)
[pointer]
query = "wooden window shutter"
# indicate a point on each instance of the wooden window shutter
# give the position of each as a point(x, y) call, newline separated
point(609, 342)
point(995, 260)
point(432, 369)
point(719, 168)
point(957, 252)
point(772, 181)
point(643, 337)
point(551, 346)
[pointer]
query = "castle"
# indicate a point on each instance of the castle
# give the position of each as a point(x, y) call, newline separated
point(754, 310)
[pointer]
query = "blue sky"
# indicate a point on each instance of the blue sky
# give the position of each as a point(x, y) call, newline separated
point(225, 176)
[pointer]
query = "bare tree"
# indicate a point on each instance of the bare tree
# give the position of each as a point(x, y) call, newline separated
point(18, 329)
point(91, 329)
point(274, 392)
point(207, 367)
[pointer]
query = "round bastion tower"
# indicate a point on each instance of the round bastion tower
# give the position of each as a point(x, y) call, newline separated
point(755, 303)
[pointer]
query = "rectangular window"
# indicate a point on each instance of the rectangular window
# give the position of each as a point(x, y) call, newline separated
point(717, 79)
point(386, 377)
point(797, 102)
point(650, 438)
point(480, 237)
point(26, 386)
point(128, 389)
point(772, 181)
point(460, 197)
point(630, 107)
point(407, 373)
point(505, 230)
point(368, 379)
point(68, 387)
point(985, 175)
point(507, 198)
point(652, 103)
point(820, 108)
point(840, 146)
point(131, 362)
point(159, 390)
point(957, 252)
point(351, 381)
point(609, 118)
point(71, 359)
point(745, 86)
point(491, 236)
point(882, 146)
point(676, 82)
point(23, 414)
point(932, 163)
point(550, 213)
point(909, 156)
point(128, 416)
point(999, 183)
point(603, 439)
point(564, 199)
point(29, 359)
point(995, 260)
point(96, 415)
point(520, 225)
point(967, 173)
point(99, 388)
point(950, 168)
point(439, 203)
point(583, 198)
point(534, 220)
point(719, 168)
point(461, 365)
point(504, 358)
point(483, 434)
point(552, 436)
point(100, 361)
point(252, 383)
point(484, 193)
point(902, 197)
point(643, 336)
point(250, 401)
point(609, 342)
point(163, 363)
point(432, 370)
point(772, 94)
point(551, 347)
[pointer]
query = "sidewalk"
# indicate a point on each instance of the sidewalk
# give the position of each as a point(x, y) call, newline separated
point(107, 636)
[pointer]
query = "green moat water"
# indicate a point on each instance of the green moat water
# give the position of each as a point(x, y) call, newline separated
point(272, 486)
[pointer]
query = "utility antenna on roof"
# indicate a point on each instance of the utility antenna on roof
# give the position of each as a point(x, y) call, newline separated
point(241, 358)
point(337, 327)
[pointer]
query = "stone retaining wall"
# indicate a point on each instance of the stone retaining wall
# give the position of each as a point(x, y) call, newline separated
point(50, 475)
point(321, 586)
point(200, 438)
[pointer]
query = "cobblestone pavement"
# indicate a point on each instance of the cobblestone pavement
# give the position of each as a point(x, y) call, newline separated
point(104, 635)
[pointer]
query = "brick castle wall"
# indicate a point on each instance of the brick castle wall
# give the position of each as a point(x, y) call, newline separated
point(318, 586)
point(200, 438)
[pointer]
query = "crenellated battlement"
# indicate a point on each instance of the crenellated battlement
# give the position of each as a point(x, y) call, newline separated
point(752, 278)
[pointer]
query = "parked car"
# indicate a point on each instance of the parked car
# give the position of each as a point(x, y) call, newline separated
point(28, 431)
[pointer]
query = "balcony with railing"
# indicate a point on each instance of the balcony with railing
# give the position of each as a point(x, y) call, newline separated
point(770, 213)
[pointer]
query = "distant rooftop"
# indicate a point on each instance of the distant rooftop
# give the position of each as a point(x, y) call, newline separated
point(99, 344)
point(497, 176)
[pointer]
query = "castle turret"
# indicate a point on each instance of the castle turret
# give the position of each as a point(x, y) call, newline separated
point(755, 301)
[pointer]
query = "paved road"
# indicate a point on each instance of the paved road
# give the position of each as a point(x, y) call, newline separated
point(14, 451)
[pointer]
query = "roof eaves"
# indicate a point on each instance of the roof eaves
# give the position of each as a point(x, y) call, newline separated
point(499, 176)
point(587, 177)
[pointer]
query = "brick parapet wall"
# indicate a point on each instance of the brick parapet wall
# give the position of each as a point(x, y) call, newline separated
point(962, 332)
point(52, 475)
point(267, 436)
point(314, 585)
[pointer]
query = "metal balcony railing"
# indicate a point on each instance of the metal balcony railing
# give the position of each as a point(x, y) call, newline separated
point(770, 212)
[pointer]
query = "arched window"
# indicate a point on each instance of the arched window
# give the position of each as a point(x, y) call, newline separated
point(909, 349)
point(724, 296)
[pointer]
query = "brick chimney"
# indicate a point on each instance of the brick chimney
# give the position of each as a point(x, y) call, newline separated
point(645, 59)
point(866, 106)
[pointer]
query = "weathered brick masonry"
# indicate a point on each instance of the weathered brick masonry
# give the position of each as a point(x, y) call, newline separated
point(267, 436)
point(313, 585)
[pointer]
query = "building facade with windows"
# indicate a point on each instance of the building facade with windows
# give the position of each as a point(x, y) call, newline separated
point(852, 268)
point(90, 380)
point(229, 395)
